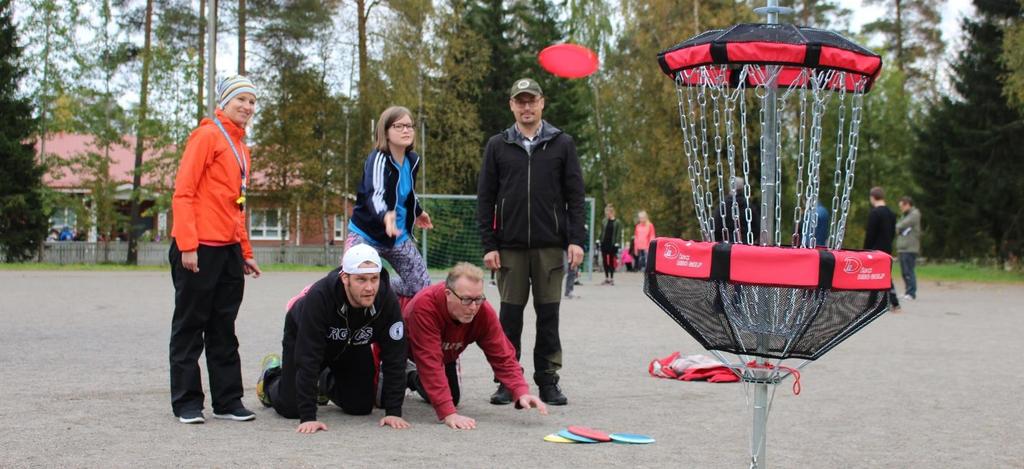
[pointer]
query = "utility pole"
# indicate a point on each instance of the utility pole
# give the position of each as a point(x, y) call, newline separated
point(211, 57)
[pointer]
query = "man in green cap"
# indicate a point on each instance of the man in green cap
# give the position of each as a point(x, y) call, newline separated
point(530, 215)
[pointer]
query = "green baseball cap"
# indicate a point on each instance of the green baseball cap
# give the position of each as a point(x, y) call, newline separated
point(525, 85)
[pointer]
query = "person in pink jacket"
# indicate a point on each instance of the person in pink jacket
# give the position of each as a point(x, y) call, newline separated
point(642, 234)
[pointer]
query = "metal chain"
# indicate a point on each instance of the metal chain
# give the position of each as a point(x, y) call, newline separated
point(686, 118)
point(705, 189)
point(821, 98)
point(838, 173)
point(801, 145)
point(718, 92)
point(730, 109)
point(762, 93)
point(851, 160)
point(814, 89)
point(779, 112)
point(748, 213)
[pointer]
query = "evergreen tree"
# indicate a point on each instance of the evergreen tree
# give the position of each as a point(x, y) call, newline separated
point(455, 133)
point(564, 98)
point(22, 222)
point(968, 155)
point(490, 19)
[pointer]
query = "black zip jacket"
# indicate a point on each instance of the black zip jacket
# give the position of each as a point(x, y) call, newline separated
point(530, 199)
point(322, 325)
point(378, 195)
point(881, 229)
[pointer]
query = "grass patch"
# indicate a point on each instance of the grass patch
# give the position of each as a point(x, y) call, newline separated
point(35, 266)
point(80, 267)
point(961, 272)
point(952, 272)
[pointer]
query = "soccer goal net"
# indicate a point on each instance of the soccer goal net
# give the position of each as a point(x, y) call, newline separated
point(456, 238)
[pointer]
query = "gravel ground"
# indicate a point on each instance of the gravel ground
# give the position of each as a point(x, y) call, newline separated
point(86, 385)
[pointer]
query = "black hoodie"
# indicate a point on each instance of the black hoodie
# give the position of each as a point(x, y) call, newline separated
point(322, 325)
point(530, 199)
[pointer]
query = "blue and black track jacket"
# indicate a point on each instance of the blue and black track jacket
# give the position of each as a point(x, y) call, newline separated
point(378, 194)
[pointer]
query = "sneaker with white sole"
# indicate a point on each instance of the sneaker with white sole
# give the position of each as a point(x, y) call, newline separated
point(191, 416)
point(240, 414)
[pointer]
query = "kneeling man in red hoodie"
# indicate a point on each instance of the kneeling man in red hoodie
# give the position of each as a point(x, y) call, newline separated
point(441, 320)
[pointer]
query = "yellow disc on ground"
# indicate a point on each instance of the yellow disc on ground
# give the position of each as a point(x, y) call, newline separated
point(554, 438)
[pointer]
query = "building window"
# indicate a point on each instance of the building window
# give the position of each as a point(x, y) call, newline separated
point(339, 227)
point(63, 216)
point(266, 224)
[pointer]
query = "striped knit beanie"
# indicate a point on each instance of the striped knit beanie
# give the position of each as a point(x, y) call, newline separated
point(230, 87)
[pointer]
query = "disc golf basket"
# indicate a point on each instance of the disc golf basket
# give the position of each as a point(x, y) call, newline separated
point(763, 106)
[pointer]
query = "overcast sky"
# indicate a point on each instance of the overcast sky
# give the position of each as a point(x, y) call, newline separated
point(952, 11)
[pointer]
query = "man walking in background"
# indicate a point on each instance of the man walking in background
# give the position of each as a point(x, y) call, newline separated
point(530, 214)
point(908, 244)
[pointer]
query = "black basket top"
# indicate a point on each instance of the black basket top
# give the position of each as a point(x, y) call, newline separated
point(773, 44)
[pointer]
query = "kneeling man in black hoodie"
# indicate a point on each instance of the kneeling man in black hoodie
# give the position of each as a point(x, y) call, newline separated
point(327, 352)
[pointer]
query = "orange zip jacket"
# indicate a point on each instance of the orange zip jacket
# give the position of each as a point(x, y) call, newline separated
point(207, 185)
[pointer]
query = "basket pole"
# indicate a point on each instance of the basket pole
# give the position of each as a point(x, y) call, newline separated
point(759, 433)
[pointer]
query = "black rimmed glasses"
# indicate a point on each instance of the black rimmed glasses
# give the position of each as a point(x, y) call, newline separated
point(469, 301)
point(404, 127)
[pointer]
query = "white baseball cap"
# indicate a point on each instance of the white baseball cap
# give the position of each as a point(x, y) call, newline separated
point(356, 255)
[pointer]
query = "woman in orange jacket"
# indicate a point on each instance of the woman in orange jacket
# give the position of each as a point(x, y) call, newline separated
point(210, 255)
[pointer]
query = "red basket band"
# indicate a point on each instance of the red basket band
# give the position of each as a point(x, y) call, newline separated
point(772, 266)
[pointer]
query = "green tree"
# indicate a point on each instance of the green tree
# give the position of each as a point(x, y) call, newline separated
point(175, 67)
point(826, 14)
point(1013, 60)
point(641, 113)
point(565, 99)
point(50, 32)
point(967, 157)
point(490, 19)
point(455, 133)
point(914, 40)
point(22, 222)
point(589, 24)
point(299, 129)
point(140, 137)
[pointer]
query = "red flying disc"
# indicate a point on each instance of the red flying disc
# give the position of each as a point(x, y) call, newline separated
point(589, 433)
point(568, 60)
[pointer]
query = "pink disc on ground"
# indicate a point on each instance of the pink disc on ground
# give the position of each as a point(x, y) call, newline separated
point(589, 433)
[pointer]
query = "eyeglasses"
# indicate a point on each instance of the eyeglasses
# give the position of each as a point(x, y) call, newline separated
point(469, 301)
point(403, 127)
point(526, 103)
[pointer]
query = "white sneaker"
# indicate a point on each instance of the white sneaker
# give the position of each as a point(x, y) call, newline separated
point(191, 416)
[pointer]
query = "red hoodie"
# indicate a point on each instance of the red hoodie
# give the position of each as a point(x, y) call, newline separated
point(205, 190)
point(436, 339)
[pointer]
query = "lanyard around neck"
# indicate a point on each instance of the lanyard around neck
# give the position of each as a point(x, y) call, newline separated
point(238, 156)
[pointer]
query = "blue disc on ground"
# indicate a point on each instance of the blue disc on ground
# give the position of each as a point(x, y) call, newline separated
point(631, 438)
point(574, 437)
